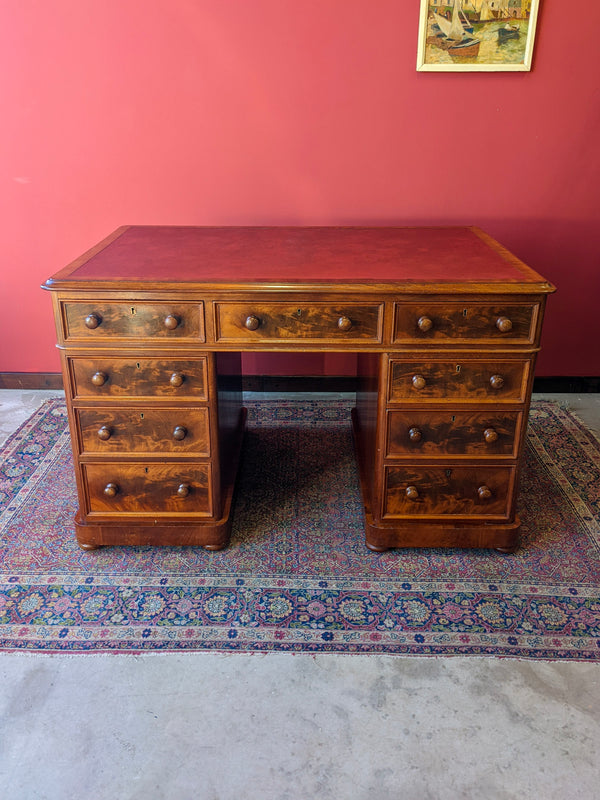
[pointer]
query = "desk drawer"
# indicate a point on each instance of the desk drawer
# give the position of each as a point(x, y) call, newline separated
point(458, 433)
point(282, 322)
point(473, 491)
point(465, 380)
point(468, 322)
point(112, 321)
point(136, 378)
point(148, 489)
point(172, 431)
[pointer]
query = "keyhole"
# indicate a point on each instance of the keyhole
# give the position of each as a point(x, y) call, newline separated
point(299, 312)
point(141, 416)
point(458, 368)
point(464, 312)
point(453, 418)
point(132, 310)
point(138, 365)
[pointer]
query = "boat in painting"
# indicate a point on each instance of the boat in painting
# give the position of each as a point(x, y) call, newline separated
point(507, 32)
point(453, 34)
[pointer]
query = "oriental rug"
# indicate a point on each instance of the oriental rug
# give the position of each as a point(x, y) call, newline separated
point(297, 576)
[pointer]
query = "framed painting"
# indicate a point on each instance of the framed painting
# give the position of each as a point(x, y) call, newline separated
point(476, 35)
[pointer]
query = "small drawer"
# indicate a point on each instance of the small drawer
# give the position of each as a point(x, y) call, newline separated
point(141, 489)
point(106, 320)
point(466, 492)
point(421, 434)
point(465, 323)
point(124, 378)
point(172, 431)
point(465, 380)
point(279, 322)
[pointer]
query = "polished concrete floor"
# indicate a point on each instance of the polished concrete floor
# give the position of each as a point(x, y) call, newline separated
point(293, 727)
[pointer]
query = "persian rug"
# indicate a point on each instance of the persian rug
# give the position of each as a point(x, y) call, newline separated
point(297, 576)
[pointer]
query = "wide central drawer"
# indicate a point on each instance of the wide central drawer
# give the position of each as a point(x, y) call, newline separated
point(430, 491)
point(173, 431)
point(148, 489)
point(283, 322)
point(488, 380)
point(161, 378)
point(422, 434)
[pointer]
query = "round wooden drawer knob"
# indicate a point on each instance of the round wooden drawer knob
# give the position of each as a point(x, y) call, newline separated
point(490, 435)
point(412, 492)
point(183, 489)
point(180, 433)
point(252, 322)
point(424, 324)
point(503, 324)
point(496, 381)
point(99, 378)
point(414, 434)
point(111, 490)
point(419, 382)
point(105, 433)
point(92, 321)
point(176, 379)
point(172, 322)
point(484, 493)
point(344, 323)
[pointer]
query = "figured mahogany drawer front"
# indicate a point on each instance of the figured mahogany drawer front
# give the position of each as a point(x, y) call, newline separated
point(441, 433)
point(177, 431)
point(156, 489)
point(474, 491)
point(145, 377)
point(107, 320)
point(454, 323)
point(280, 322)
point(482, 381)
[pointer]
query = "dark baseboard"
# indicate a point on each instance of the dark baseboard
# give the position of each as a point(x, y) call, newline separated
point(575, 385)
point(304, 383)
point(299, 383)
point(31, 380)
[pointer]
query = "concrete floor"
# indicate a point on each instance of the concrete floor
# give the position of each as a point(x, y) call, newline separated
point(207, 726)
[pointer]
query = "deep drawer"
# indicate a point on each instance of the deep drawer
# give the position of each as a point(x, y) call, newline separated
point(468, 492)
point(135, 378)
point(173, 431)
point(468, 322)
point(148, 489)
point(465, 380)
point(280, 322)
point(440, 433)
point(108, 320)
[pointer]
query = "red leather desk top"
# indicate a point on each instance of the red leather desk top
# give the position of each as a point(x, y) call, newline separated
point(296, 255)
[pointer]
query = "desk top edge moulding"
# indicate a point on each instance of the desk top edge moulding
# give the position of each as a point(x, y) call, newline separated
point(151, 324)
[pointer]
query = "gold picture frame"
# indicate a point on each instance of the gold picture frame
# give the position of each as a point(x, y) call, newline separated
point(476, 35)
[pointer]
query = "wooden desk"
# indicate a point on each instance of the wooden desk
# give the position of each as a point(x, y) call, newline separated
point(151, 324)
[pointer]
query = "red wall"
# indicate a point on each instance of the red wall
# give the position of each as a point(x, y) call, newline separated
point(272, 112)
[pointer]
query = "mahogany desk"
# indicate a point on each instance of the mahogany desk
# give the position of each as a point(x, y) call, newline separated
point(151, 324)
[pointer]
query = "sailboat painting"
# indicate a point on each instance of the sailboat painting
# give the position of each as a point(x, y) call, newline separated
point(476, 35)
